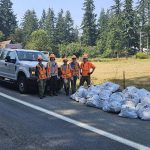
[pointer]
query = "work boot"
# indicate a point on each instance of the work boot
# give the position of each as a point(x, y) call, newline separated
point(50, 94)
point(55, 94)
point(67, 93)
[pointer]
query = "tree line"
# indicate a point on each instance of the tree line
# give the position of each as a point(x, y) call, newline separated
point(120, 30)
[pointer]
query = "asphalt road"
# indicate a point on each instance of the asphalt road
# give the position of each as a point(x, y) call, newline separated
point(24, 128)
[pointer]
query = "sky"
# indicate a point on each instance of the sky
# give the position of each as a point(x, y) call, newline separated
point(74, 6)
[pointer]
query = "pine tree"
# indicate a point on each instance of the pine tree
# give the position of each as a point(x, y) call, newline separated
point(89, 23)
point(29, 23)
point(69, 28)
point(102, 23)
point(141, 10)
point(76, 34)
point(42, 20)
point(130, 28)
point(148, 24)
point(17, 36)
point(117, 7)
point(50, 26)
point(102, 30)
point(8, 21)
point(60, 28)
point(2, 37)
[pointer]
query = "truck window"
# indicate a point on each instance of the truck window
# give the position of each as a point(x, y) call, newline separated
point(30, 56)
point(3, 54)
point(12, 55)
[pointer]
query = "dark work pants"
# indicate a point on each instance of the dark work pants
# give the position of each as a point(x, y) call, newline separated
point(53, 84)
point(74, 84)
point(66, 85)
point(86, 79)
point(41, 85)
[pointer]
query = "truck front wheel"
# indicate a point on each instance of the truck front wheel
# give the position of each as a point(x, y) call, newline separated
point(22, 85)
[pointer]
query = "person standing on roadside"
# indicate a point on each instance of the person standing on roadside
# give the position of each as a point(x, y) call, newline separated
point(52, 73)
point(86, 70)
point(41, 77)
point(66, 75)
point(75, 69)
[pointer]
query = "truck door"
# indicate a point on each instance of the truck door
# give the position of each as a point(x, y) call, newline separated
point(3, 64)
point(11, 64)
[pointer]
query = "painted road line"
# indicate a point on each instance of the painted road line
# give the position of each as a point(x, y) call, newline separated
point(80, 124)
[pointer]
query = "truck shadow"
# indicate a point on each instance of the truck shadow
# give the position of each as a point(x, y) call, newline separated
point(13, 87)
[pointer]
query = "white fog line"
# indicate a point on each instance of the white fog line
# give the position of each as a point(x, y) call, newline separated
point(80, 124)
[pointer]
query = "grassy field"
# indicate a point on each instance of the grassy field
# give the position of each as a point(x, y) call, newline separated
point(137, 72)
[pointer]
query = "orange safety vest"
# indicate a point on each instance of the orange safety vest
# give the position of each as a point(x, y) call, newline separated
point(76, 69)
point(86, 68)
point(66, 73)
point(48, 69)
point(41, 72)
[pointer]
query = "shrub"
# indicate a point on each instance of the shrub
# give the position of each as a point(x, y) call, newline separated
point(107, 53)
point(141, 55)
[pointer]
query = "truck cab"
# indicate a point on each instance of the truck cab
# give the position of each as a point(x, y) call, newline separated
point(18, 65)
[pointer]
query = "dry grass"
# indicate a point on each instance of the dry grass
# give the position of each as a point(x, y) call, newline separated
point(137, 72)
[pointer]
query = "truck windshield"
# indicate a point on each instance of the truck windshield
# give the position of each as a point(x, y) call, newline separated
point(30, 56)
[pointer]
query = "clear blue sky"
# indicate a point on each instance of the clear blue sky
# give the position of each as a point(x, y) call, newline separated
point(75, 7)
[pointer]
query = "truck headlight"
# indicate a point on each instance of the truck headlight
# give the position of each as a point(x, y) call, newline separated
point(32, 71)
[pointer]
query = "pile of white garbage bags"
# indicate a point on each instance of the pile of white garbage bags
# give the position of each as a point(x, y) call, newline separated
point(130, 103)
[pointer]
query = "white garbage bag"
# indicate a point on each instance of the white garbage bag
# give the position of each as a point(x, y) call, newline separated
point(131, 94)
point(73, 96)
point(106, 106)
point(134, 98)
point(81, 92)
point(110, 86)
point(77, 99)
point(105, 94)
point(143, 110)
point(146, 100)
point(82, 100)
point(142, 94)
point(93, 89)
point(128, 110)
point(131, 90)
point(93, 101)
point(116, 101)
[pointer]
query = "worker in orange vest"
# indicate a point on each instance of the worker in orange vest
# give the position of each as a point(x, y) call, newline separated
point(41, 77)
point(75, 68)
point(86, 69)
point(52, 71)
point(66, 75)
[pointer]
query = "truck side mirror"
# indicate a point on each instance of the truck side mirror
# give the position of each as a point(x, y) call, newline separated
point(7, 59)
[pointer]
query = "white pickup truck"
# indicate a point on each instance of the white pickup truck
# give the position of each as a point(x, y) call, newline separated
point(18, 65)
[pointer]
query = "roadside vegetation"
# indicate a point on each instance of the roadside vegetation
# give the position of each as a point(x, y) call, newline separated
point(114, 38)
point(119, 31)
